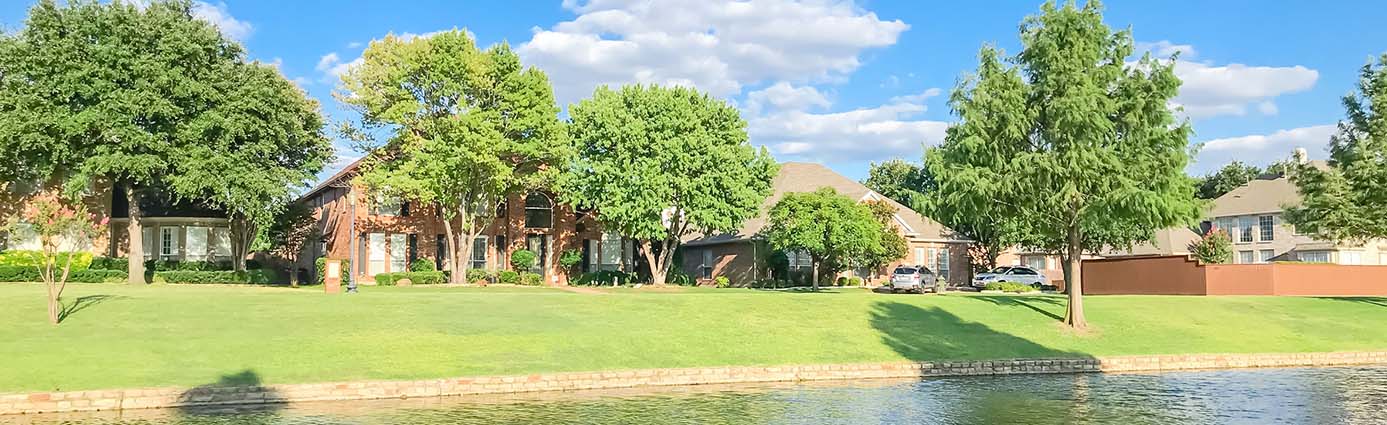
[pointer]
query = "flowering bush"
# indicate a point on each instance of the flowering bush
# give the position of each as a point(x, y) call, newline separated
point(61, 227)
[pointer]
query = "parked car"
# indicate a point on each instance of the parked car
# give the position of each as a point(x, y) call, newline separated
point(1014, 274)
point(913, 279)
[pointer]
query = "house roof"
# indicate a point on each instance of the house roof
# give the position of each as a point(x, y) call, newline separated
point(342, 174)
point(1266, 194)
point(807, 177)
point(1171, 241)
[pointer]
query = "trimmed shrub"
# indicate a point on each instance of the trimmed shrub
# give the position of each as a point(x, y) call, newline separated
point(508, 276)
point(677, 277)
point(16, 258)
point(249, 277)
point(605, 278)
point(98, 276)
point(523, 259)
point(854, 281)
point(190, 266)
point(19, 274)
point(423, 265)
point(477, 275)
point(531, 279)
point(722, 282)
point(1009, 287)
point(384, 279)
point(320, 269)
point(110, 263)
point(415, 278)
point(841, 281)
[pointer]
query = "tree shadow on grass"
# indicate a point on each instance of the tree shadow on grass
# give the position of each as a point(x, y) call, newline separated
point(82, 303)
point(241, 394)
point(926, 334)
point(1377, 301)
point(1031, 302)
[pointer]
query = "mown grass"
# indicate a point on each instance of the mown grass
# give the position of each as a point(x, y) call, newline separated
point(188, 335)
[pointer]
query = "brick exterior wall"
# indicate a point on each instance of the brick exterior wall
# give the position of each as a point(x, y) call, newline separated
point(98, 202)
point(244, 395)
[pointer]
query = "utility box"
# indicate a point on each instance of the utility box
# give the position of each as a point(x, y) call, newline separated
point(332, 276)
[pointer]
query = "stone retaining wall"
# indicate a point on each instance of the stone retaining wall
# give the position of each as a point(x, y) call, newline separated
point(204, 396)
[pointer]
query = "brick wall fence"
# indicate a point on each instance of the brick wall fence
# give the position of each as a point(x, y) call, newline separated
point(74, 401)
point(1182, 275)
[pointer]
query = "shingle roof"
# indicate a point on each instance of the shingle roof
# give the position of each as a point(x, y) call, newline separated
point(807, 177)
point(1268, 194)
point(1172, 241)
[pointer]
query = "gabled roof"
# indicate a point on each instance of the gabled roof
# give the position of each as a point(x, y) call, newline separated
point(1171, 241)
point(333, 181)
point(1263, 195)
point(807, 177)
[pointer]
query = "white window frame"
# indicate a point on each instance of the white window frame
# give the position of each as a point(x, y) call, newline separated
point(1266, 228)
point(706, 266)
point(193, 254)
point(1328, 258)
point(474, 262)
point(388, 206)
point(1247, 257)
point(1351, 258)
point(1246, 225)
point(170, 243)
point(1265, 255)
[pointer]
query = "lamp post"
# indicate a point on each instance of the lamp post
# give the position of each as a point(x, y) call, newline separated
point(351, 271)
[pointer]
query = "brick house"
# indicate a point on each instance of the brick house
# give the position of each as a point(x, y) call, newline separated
point(381, 235)
point(172, 231)
point(741, 255)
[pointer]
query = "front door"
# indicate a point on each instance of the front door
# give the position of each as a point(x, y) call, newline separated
point(538, 244)
point(375, 253)
point(399, 253)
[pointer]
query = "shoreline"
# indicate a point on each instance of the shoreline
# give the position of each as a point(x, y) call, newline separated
point(155, 398)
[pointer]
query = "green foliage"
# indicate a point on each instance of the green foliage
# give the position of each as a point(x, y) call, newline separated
point(1226, 179)
point(899, 180)
point(891, 245)
point(1214, 248)
point(1347, 202)
point(19, 274)
point(161, 265)
point(840, 281)
point(523, 259)
point(722, 282)
point(291, 230)
point(531, 279)
point(415, 278)
point(478, 275)
point(676, 277)
point(80, 260)
point(1072, 145)
point(423, 264)
point(110, 263)
point(320, 271)
point(660, 163)
point(508, 276)
point(835, 230)
point(1009, 287)
point(570, 259)
point(249, 277)
point(31, 274)
point(466, 127)
point(854, 281)
point(605, 278)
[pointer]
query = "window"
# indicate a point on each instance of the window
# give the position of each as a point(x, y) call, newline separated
point(1266, 224)
point(479, 252)
point(440, 243)
point(375, 253)
point(197, 243)
point(221, 243)
point(1265, 256)
point(1246, 257)
point(1035, 261)
point(610, 258)
point(799, 260)
point(942, 264)
point(1225, 224)
point(539, 211)
point(24, 238)
point(148, 241)
point(919, 256)
point(169, 240)
point(706, 267)
point(1351, 258)
point(1244, 229)
point(399, 251)
point(386, 206)
point(1021, 271)
point(1314, 256)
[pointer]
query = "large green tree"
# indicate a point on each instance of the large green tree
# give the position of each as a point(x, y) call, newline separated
point(1072, 141)
point(836, 231)
point(1226, 179)
point(136, 94)
point(1348, 201)
point(660, 163)
point(899, 180)
point(465, 128)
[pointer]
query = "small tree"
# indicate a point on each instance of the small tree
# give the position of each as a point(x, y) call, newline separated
point(570, 259)
point(62, 228)
point(523, 260)
point(1348, 201)
point(892, 245)
point(1226, 179)
point(660, 163)
point(834, 230)
point(899, 180)
point(290, 232)
point(1214, 248)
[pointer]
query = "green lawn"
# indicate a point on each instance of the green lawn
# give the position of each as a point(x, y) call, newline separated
point(193, 335)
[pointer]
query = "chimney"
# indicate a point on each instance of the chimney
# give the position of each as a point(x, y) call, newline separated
point(1301, 157)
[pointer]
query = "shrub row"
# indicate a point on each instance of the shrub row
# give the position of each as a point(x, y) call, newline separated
point(122, 263)
point(415, 278)
point(848, 281)
point(531, 279)
point(19, 258)
point(31, 274)
point(252, 277)
point(1009, 287)
point(605, 277)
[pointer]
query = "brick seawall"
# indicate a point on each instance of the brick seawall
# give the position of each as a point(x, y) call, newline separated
point(72, 401)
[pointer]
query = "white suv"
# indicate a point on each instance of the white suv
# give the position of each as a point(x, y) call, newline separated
point(912, 278)
point(1015, 274)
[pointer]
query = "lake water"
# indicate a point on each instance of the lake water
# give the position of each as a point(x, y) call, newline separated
point(1262, 396)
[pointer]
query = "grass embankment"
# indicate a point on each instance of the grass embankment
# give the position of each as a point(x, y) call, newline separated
point(173, 335)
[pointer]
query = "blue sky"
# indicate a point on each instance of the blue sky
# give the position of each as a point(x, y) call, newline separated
point(847, 83)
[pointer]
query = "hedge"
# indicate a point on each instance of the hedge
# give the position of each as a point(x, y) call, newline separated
point(252, 277)
point(320, 268)
point(110, 263)
point(508, 276)
point(1009, 287)
point(423, 265)
point(531, 279)
point(605, 278)
point(31, 274)
point(477, 275)
point(21, 258)
point(415, 278)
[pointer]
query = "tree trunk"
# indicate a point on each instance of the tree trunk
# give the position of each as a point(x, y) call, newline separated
point(1073, 281)
point(814, 273)
point(242, 235)
point(453, 276)
point(659, 265)
point(293, 272)
point(135, 233)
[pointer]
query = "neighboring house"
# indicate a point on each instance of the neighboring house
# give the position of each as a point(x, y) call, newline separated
point(741, 255)
point(1252, 214)
point(382, 235)
point(1172, 241)
point(171, 231)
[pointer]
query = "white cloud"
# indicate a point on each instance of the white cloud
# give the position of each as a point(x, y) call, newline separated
point(332, 67)
point(1268, 107)
point(1210, 91)
point(783, 96)
point(884, 131)
point(718, 46)
point(1262, 149)
point(217, 15)
point(354, 45)
point(1166, 49)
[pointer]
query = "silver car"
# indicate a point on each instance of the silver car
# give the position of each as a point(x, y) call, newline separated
point(912, 278)
point(1014, 274)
